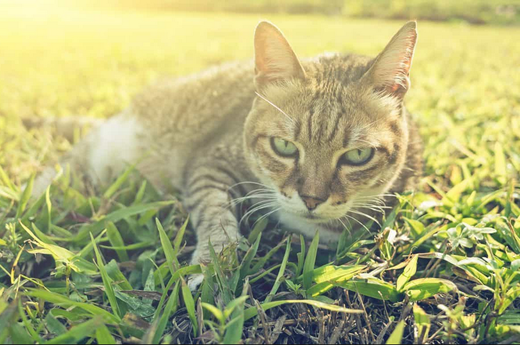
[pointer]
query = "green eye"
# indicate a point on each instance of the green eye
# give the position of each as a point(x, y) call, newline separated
point(357, 156)
point(283, 147)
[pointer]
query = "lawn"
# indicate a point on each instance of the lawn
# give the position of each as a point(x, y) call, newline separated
point(83, 267)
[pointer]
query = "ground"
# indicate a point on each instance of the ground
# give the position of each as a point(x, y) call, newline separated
point(78, 266)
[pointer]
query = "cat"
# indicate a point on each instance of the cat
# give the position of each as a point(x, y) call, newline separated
point(316, 143)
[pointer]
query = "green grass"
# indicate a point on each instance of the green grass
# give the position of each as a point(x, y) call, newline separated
point(91, 267)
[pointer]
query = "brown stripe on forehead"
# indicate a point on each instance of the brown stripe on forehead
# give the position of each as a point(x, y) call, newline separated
point(312, 110)
point(339, 115)
point(271, 163)
point(346, 137)
point(335, 126)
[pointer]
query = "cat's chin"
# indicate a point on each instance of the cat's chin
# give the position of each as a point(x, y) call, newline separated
point(308, 226)
point(306, 217)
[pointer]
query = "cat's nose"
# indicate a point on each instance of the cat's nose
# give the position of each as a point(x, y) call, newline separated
point(311, 202)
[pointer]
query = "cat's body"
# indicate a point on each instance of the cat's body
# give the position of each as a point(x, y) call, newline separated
point(316, 144)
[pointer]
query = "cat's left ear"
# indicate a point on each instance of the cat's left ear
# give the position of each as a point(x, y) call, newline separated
point(275, 60)
point(391, 69)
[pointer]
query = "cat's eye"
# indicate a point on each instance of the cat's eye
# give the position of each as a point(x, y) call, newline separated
point(357, 156)
point(283, 147)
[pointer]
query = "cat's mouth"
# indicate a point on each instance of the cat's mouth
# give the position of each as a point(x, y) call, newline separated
point(311, 217)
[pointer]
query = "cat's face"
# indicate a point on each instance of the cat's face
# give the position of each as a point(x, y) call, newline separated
point(330, 136)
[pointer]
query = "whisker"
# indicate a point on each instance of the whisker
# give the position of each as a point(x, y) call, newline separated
point(366, 215)
point(249, 182)
point(250, 197)
point(266, 215)
point(276, 107)
point(363, 225)
point(375, 208)
point(257, 207)
point(344, 226)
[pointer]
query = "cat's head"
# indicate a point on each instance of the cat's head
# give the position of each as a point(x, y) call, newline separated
point(329, 134)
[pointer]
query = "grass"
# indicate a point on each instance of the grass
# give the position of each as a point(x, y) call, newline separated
point(79, 267)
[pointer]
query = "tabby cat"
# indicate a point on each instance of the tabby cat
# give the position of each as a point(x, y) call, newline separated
point(318, 143)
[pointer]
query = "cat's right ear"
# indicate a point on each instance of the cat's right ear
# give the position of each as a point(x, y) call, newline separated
point(275, 61)
point(391, 69)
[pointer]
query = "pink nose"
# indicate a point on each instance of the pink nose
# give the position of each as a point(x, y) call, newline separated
point(311, 202)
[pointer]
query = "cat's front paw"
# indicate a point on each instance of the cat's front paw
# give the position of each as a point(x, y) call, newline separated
point(194, 281)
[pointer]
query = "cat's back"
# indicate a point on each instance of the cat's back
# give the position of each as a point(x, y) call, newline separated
point(197, 104)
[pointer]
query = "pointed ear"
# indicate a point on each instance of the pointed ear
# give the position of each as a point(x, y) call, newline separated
point(391, 69)
point(274, 58)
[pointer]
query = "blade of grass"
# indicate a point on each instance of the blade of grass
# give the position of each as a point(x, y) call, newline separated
point(27, 324)
point(397, 335)
point(116, 240)
point(103, 336)
point(281, 272)
point(24, 199)
point(171, 307)
point(245, 266)
point(178, 238)
point(107, 282)
point(301, 256)
point(221, 278)
point(118, 183)
point(169, 253)
point(310, 260)
point(116, 216)
point(234, 328)
point(252, 312)
point(19, 335)
point(65, 301)
point(77, 333)
point(5, 178)
point(190, 306)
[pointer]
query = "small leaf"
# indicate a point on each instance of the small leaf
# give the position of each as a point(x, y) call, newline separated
point(422, 322)
point(409, 272)
point(374, 288)
point(219, 315)
point(420, 289)
point(397, 335)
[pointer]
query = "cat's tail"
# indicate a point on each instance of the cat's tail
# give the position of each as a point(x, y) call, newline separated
point(100, 155)
point(70, 127)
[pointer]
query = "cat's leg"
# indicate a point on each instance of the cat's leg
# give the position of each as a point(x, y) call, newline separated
point(208, 198)
point(101, 155)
